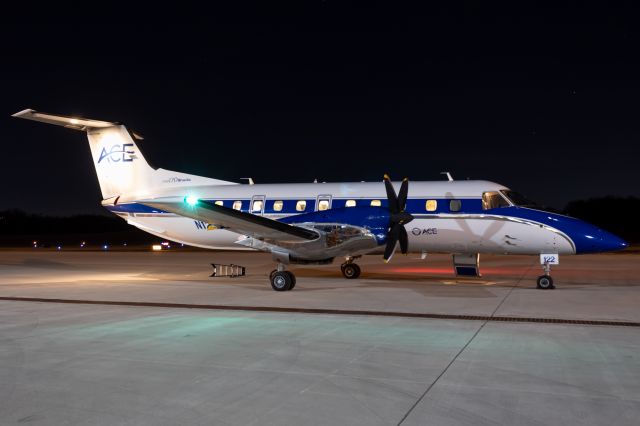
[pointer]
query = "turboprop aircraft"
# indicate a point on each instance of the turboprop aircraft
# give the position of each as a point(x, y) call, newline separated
point(314, 223)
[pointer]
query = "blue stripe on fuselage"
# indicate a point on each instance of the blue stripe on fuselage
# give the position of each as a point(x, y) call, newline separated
point(586, 237)
point(414, 206)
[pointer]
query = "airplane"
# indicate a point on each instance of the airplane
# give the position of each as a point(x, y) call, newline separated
point(315, 223)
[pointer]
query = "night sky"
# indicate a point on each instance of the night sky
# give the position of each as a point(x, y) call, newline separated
point(545, 101)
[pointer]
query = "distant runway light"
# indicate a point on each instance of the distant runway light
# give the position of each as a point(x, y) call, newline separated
point(156, 247)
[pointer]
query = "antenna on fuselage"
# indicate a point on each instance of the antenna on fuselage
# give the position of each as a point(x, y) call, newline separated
point(250, 180)
point(449, 177)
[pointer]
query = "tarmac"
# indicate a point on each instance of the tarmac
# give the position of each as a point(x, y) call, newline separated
point(148, 338)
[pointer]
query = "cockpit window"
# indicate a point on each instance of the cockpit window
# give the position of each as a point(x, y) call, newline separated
point(493, 200)
point(518, 199)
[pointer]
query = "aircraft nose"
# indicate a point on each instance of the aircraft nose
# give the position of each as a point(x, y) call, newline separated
point(590, 239)
point(611, 242)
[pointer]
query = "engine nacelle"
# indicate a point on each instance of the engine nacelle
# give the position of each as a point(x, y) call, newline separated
point(336, 240)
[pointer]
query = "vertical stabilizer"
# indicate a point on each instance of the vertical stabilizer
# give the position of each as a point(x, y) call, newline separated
point(121, 168)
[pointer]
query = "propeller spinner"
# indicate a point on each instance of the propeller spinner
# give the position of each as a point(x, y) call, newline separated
point(397, 219)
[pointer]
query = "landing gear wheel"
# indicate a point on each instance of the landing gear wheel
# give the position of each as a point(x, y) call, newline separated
point(272, 273)
point(350, 271)
point(545, 282)
point(293, 280)
point(281, 281)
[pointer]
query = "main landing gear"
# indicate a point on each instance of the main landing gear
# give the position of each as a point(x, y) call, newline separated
point(545, 282)
point(282, 280)
point(350, 270)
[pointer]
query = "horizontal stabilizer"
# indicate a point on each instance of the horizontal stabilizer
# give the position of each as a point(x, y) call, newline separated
point(62, 120)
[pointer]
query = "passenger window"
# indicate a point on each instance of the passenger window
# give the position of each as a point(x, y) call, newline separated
point(301, 205)
point(350, 203)
point(257, 206)
point(431, 205)
point(493, 200)
point(237, 205)
point(277, 206)
point(323, 205)
point(455, 205)
point(219, 203)
point(375, 203)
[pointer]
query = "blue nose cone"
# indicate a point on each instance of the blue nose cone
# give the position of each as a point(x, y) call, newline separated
point(590, 239)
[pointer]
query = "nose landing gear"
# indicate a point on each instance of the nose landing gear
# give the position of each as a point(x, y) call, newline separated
point(545, 282)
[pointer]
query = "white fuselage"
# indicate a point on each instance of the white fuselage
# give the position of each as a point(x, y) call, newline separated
point(438, 226)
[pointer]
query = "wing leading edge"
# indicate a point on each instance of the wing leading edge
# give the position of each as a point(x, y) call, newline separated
point(248, 224)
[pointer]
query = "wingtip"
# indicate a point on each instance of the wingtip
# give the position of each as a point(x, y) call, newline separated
point(23, 112)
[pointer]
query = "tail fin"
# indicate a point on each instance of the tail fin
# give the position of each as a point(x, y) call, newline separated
point(120, 166)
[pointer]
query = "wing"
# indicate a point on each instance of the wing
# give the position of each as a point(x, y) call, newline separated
point(243, 223)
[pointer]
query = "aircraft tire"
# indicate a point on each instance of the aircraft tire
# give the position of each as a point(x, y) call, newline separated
point(293, 279)
point(350, 271)
point(281, 281)
point(545, 282)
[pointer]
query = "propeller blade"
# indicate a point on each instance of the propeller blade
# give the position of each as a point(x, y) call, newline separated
point(402, 195)
point(392, 240)
point(398, 217)
point(404, 240)
point(389, 250)
point(402, 218)
point(391, 195)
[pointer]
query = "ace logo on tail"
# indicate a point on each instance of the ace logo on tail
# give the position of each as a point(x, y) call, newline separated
point(117, 153)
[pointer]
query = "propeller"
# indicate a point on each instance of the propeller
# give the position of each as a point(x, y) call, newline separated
point(398, 217)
